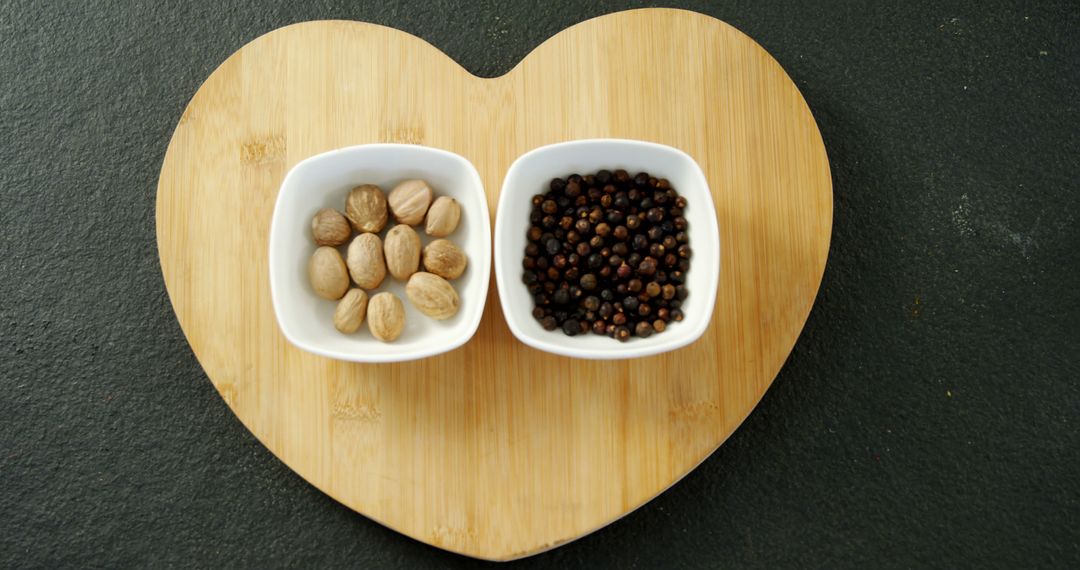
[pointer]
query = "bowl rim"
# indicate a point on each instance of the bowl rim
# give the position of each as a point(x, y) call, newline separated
point(484, 276)
point(565, 347)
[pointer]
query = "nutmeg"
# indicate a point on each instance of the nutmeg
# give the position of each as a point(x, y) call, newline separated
point(366, 208)
point(432, 295)
point(350, 311)
point(442, 217)
point(365, 261)
point(402, 248)
point(386, 316)
point(409, 201)
point(327, 273)
point(444, 259)
point(329, 227)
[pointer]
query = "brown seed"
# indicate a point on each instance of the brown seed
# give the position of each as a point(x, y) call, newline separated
point(350, 311)
point(385, 316)
point(366, 208)
point(653, 289)
point(327, 273)
point(432, 295)
point(443, 217)
point(659, 325)
point(402, 250)
point(409, 201)
point(367, 265)
point(669, 291)
point(643, 329)
point(445, 259)
point(329, 227)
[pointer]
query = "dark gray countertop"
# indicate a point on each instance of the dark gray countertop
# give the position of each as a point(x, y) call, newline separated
point(928, 416)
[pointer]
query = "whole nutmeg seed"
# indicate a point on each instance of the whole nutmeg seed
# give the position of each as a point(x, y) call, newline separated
point(444, 259)
point(443, 217)
point(366, 208)
point(409, 201)
point(329, 227)
point(365, 261)
point(327, 273)
point(433, 295)
point(402, 248)
point(350, 311)
point(385, 316)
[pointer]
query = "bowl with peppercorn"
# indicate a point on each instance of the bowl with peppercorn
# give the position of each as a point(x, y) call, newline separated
point(606, 249)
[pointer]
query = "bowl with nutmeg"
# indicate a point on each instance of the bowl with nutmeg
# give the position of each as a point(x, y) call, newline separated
point(606, 249)
point(380, 253)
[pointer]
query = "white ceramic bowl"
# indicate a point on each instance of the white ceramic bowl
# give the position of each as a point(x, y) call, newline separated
point(531, 173)
point(323, 181)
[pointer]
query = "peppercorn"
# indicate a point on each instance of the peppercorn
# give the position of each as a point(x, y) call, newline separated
point(643, 329)
point(571, 327)
point(605, 236)
point(647, 267)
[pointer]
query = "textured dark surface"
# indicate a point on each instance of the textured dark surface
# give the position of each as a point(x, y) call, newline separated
point(928, 416)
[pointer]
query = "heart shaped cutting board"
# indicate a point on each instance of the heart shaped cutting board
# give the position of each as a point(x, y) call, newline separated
point(495, 450)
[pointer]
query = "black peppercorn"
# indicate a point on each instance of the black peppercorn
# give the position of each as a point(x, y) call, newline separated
point(573, 189)
point(605, 236)
point(571, 327)
point(647, 267)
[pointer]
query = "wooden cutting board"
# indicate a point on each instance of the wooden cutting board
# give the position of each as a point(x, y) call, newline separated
point(495, 450)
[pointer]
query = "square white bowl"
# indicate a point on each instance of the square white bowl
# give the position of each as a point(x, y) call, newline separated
point(324, 181)
point(531, 173)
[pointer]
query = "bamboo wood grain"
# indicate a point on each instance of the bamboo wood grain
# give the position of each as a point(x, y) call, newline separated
point(495, 450)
